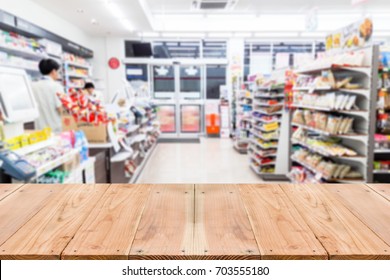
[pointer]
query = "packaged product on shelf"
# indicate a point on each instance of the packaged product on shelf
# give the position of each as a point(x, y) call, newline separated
point(298, 117)
point(382, 141)
point(308, 118)
point(327, 169)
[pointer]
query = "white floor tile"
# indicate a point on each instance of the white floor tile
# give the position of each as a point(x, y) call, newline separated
point(212, 161)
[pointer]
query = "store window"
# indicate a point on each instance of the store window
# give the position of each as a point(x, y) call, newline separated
point(163, 79)
point(215, 78)
point(176, 49)
point(287, 55)
point(190, 79)
point(214, 49)
point(258, 57)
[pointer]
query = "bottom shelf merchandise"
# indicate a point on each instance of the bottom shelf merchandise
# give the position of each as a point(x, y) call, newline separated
point(300, 175)
point(56, 162)
point(382, 166)
point(325, 169)
point(259, 169)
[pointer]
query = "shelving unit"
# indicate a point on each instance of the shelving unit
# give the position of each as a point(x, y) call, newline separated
point(74, 71)
point(382, 151)
point(269, 118)
point(134, 150)
point(21, 52)
point(361, 140)
point(244, 106)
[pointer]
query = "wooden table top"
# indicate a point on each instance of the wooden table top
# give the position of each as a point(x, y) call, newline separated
point(265, 221)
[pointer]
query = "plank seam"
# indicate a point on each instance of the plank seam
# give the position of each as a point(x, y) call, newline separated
point(357, 217)
point(250, 222)
point(82, 223)
point(139, 220)
point(303, 218)
point(18, 188)
point(376, 191)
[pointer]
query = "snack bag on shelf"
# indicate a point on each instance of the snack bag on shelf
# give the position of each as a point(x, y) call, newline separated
point(83, 108)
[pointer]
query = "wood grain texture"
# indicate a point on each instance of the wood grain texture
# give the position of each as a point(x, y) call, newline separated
point(222, 227)
point(280, 231)
point(6, 190)
point(167, 225)
point(370, 207)
point(382, 189)
point(47, 234)
point(341, 233)
point(21, 206)
point(109, 230)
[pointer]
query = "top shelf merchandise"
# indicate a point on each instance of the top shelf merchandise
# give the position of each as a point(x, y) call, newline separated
point(334, 103)
point(20, 52)
point(77, 71)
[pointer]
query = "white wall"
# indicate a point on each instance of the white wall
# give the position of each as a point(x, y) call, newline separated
point(114, 48)
point(42, 17)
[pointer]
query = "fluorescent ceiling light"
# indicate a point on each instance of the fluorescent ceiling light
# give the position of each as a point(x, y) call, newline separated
point(276, 34)
point(243, 35)
point(183, 35)
point(164, 17)
point(231, 17)
point(149, 34)
point(127, 24)
point(220, 35)
point(114, 9)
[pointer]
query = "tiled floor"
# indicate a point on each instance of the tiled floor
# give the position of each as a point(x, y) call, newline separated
point(212, 161)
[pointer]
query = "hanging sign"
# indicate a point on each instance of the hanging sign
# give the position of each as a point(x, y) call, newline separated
point(356, 35)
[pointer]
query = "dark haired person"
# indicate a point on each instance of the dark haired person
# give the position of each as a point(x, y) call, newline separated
point(90, 89)
point(45, 91)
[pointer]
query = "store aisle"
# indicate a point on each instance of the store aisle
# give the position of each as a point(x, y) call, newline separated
point(212, 161)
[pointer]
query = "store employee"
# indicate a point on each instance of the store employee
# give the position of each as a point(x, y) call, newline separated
point(90, 89)
point(45, 92)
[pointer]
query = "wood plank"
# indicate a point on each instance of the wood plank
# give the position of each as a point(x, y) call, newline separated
point(370, 207)
point(222, 227)
point(109, 230)
point(280, 231)
point(382, 189)
point(167, 225)
point(8, 189)
point(342, 234)
point(46, 235)
point(21, 206)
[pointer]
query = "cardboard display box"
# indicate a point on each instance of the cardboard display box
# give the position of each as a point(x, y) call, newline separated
point(94, 133)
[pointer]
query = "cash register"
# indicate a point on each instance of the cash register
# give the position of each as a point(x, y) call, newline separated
point(16, 167)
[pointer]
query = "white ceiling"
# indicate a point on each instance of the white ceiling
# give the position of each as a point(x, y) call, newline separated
point(269, 6)
point(175, 15)
point(95, 9)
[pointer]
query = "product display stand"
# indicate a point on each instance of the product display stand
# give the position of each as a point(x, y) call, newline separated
point(382, 138)
point(76, 73)
point(335, 112)
point(243, 124)
point(125, 165)
point(270, 130)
